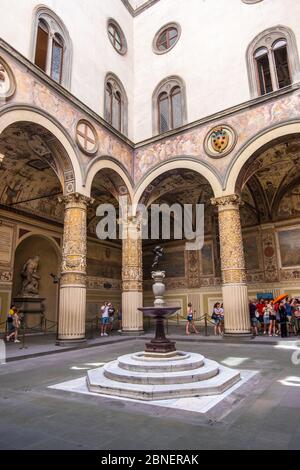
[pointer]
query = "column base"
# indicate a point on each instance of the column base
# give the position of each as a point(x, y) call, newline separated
point(236, 310)
point(70, 342)
point(238, 335)
point(133, 333)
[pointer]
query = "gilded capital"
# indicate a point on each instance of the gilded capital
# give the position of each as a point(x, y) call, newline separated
point(76, 200)
point(225, 201)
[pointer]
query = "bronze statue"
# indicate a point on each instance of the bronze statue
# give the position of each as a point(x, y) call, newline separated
point(158, 251)
point(31, 278)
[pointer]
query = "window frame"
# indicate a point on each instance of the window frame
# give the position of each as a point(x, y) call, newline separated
point(267, 39)
point(117, 29)
point(56, 28)
point(168, 86)
point(163, 29)
point(117, 88)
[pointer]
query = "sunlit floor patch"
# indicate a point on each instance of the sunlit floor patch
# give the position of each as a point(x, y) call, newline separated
point(198, 405)
point(88, 366)
point(291, 381)
point(234, 361)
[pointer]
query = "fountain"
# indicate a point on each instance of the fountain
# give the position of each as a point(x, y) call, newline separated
point(161, 372)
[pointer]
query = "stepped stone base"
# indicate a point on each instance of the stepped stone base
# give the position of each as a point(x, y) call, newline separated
point(147, 378)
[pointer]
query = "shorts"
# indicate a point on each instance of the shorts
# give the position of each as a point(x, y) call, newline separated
point(254, 321)
point(273, 317)
point(266, 321)
point(189, 318)
point(10, 327)
point(217, 321)
point(105, 320)
point(120, 317)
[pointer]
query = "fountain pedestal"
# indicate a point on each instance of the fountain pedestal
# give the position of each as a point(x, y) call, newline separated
point(160, 372)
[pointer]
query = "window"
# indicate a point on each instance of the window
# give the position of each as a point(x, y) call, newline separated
point(115, 106)
point(52, 49)
point(116, 37)
point(273, 61)
point(166, 38)
point(169, 105)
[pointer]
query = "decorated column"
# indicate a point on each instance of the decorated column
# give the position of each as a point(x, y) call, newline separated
point(132, 276)
point(235, 292)
point(72, 308)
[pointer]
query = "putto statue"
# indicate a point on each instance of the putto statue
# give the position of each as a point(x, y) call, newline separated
point(31, 278)
point(158, 252)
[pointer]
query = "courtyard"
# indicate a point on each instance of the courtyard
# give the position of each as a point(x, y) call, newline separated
point(264, 413)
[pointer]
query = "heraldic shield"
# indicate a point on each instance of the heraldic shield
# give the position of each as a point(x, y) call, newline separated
point(220, 139)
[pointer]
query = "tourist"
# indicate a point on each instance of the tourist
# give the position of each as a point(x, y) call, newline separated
point(289, 313)
point(260, 310)
point(111, 313)
point(13, 324)
point(218, 317)
point(297, 316)
point(104, 319)
point(253, 318)
point(120, 319)
point(190, 320)
point(283, 319)
point(266, 317)
point(270, 312)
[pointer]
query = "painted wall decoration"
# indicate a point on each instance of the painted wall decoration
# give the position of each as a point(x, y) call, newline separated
point(251, 251)
point(33, 91)
point(289, 243)
point(246, 123)
point(86, 137)
point(207, 264)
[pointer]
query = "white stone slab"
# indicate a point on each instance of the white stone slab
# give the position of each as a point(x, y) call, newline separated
point(196, 405)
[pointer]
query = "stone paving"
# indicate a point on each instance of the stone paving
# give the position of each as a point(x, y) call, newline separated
point(264, 416)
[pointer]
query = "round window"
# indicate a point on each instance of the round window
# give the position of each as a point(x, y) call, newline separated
point(166, 38)
point(117, 37)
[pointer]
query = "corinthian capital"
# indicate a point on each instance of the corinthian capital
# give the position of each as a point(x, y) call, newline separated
point(231, 200)
point(76, 200)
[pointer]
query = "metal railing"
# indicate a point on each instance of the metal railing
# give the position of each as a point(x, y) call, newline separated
point(204, 320)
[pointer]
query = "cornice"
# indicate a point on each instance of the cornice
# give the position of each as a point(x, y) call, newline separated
point(137, 11)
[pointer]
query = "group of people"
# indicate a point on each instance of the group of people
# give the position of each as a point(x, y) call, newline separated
point(13, 325)
point(107, 318)
point(269, 318)
point(217, 317)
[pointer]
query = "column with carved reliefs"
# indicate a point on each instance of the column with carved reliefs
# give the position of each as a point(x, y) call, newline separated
point(132, 276)
point(72, 309)
point(235, 291)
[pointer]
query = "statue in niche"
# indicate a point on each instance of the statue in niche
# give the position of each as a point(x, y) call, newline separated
point(158, 252)
point(31, 278)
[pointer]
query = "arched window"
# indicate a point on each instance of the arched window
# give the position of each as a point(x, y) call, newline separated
point(273, 61)
point(169, 105)
point(52, 48)
point(115, 105)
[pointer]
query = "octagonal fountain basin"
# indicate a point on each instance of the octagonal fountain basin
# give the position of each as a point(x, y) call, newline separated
point(155, 312)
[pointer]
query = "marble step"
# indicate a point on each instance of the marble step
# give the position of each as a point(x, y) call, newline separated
point(138, 364)
point(114, 372)
point(98, 383)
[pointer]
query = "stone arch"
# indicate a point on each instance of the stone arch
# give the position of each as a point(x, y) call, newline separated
point(254, 145)
point(69, 170)
point(42, 245)
point(184, 163)
point(107, 163)
point(41, 234)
